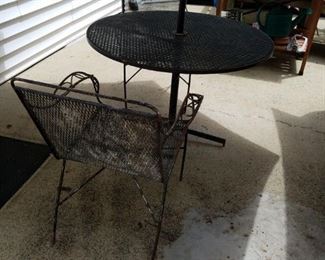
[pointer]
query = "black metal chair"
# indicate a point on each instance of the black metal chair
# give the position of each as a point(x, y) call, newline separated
point(136, 141)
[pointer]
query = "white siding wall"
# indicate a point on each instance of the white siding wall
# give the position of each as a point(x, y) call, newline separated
point(32, 29)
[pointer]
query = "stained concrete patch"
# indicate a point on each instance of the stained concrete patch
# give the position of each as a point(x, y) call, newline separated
point(229, 236)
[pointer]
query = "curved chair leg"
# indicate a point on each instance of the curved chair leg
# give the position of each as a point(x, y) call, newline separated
point(183, 158)
point(160, 222)
point(57, 204)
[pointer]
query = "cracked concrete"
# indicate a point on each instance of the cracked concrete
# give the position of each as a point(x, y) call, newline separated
point(260, 197)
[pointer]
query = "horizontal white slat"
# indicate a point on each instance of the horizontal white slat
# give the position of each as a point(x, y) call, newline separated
point(26, 22)
point(23, 40)
point(39, 56)
point(81, 11)
point(8, 12)
point(17, 42)
point(5, 2)
point(27, 7)
point(22, 58)
point(20, 8)
point(77, 3)
point(14, 43)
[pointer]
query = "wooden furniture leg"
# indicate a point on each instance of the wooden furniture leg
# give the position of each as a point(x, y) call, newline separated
point(221, 5)
point(311, 26)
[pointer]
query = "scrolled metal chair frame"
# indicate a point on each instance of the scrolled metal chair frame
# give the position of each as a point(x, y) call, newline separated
point(174, 133)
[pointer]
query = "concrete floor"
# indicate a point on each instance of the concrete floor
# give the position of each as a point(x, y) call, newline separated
point(260, 197)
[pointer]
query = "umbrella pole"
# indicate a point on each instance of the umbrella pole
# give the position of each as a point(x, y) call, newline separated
point(181, 17)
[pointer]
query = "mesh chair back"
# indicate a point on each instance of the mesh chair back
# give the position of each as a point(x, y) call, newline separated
point(85, 131)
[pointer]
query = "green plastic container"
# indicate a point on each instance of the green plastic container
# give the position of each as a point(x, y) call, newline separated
point(279, 20)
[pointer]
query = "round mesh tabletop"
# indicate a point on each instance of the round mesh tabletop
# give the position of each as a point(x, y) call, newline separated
point(211, 44)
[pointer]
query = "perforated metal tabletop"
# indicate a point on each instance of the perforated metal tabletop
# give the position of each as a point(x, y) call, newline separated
point(148, 40)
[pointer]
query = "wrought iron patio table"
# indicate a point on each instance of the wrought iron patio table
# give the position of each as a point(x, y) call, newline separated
point(201, 44)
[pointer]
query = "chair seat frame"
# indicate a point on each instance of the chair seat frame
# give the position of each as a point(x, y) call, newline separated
point(185, 116)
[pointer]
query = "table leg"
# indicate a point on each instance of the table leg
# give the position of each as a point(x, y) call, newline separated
point(173, 96)
point(207, 136)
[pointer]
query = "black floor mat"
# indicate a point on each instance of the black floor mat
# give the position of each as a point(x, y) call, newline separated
point(18, 161)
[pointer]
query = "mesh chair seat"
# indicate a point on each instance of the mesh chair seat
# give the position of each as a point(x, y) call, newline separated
point(98, 145)
point(122, 140)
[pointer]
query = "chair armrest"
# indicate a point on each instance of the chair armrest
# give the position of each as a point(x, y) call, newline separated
point(74, 79)
point(186, 113)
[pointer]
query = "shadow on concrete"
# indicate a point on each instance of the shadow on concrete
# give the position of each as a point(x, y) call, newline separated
point(282, 66)
point(317, 54)
point(303, 150)
point(217, 180)
point(277, 68)
point(107, 220)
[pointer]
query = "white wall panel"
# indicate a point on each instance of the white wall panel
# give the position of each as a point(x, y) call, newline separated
point(25, 22)
point(33, 29)
point(9, 12)
point(30, 6)
point(4, 2)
